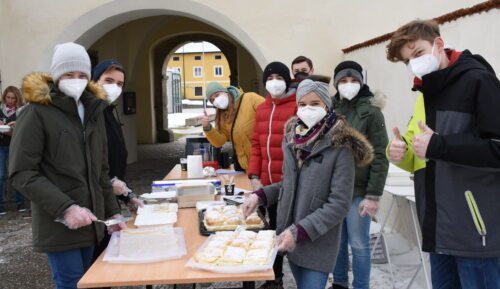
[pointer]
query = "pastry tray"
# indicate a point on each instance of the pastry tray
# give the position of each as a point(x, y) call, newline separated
point(112, 251)
point(207, 231)
point(231, 269)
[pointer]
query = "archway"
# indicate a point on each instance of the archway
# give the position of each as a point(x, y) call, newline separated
point(164, 50)
point(104, 29)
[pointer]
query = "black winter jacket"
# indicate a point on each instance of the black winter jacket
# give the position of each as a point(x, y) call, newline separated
point(462, 105)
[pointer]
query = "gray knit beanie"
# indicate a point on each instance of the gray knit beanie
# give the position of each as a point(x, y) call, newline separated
point(69, 57)
point(347, 68)
point(320, 88)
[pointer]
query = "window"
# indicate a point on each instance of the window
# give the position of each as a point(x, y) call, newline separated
point(197, 57)
point(198, 91)
point(197, 71)
point(218, 71)
point(218, 56)
point(176, 58)
point(176, 69)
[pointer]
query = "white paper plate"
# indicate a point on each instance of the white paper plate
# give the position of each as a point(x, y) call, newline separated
point(112, 251)
point(231, 269)
point(154, 219)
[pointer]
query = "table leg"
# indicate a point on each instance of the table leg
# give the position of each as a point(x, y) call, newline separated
point(150, 287)
point(422, 259)
point(387, 215)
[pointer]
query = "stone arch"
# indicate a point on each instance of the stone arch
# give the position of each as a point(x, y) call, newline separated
point(95, 23)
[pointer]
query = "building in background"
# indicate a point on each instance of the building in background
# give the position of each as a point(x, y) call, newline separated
point(199, 63)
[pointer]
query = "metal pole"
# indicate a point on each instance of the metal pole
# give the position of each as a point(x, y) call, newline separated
point(203, 72)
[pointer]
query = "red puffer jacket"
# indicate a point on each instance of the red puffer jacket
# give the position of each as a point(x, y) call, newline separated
point(266, 160)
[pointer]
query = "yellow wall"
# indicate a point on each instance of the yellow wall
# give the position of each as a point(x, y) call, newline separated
point(186, 65)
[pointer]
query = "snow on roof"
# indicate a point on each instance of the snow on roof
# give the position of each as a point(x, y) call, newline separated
point(194, 47)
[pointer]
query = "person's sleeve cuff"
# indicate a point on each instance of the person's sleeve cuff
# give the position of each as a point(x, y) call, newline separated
point(302, 234)
point(262, 196)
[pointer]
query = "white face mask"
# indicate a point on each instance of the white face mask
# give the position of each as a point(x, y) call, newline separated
point(276, 87)
point(349, 90)
point(424, 64)
point(113, 91)
point(311, 115)
point(73, 87)
point(221, 101)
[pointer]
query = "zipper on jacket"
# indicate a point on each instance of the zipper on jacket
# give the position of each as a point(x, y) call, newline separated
point(476, 216)
point(268, 141)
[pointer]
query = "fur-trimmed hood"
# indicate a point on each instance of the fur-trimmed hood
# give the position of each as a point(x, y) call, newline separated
point(37, 88)
point(341, 135)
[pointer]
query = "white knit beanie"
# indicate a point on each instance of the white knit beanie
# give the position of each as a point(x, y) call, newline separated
point(69, 57)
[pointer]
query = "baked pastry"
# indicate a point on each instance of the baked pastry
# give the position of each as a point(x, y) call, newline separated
point(242, 243)
point(253, 219)
point(266, 235)
point(230, 209)
point(233, 255)
point(236, 220)
point(209, 255)
point(257, 256)
point(218, 243)
point(247, 235)
point(262, 244)
point(214, 218)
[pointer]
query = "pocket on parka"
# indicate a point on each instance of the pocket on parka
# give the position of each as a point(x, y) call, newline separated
point(316, 203)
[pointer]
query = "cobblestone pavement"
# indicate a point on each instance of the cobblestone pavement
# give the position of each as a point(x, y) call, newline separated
point(20, 267)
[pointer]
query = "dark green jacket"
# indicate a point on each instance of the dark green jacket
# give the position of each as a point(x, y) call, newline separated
point(56, 161)
point(367, 118)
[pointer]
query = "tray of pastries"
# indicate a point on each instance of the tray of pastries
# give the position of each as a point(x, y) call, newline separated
point(236, 252)
point(228, 218)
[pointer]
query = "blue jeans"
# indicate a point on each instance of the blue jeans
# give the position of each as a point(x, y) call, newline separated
point(356, 233)
point(307, 278)
point(69, 266)
point(4, 158)
point(453, 272)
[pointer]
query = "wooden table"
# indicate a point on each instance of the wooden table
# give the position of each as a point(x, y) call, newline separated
point(103, 274)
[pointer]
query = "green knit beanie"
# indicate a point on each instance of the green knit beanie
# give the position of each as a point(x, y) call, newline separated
point(214, 87)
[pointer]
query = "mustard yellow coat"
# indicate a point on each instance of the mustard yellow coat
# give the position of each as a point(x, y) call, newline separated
point(243, 128)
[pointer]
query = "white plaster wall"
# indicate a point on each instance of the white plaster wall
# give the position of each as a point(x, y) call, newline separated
point(395, 80)
point(271, 30)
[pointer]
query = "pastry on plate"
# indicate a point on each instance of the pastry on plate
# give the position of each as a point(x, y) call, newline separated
point(266, 235)
point(248, 235)
point(233, 255)
point(242, 243)
point(214, 218)
point(262, 244)
point(209, 255)
point(256, 256)
point(218, 243)
point(230, 208)
point(236, 220)
point(253, 219)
